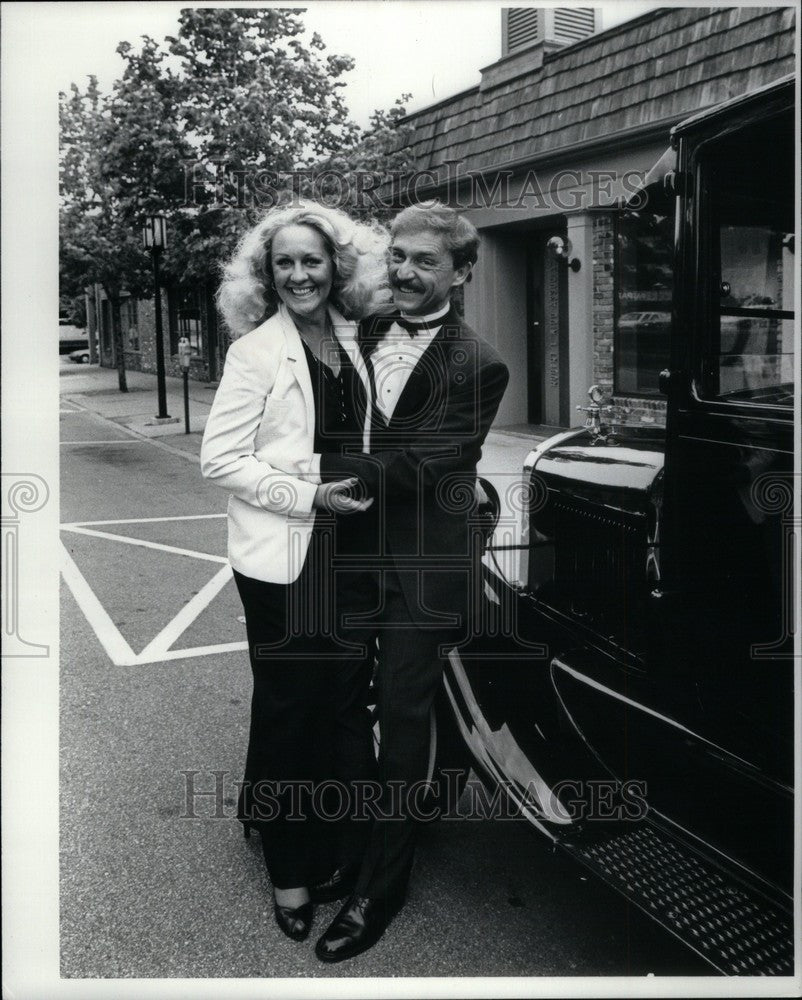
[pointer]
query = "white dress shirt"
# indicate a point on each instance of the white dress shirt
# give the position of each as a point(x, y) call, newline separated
point(393, 360)
point(396, 355)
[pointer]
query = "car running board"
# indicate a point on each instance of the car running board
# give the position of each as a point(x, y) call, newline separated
point(736, 930)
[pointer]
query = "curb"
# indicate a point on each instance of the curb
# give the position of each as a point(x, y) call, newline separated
point(155, 441)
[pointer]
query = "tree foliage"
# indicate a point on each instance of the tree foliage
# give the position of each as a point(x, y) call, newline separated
point(364, 177)
point(210, 128)
point(98, 239)
point(252, 91)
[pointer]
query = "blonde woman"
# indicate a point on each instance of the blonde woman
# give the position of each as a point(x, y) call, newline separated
point(291, 295)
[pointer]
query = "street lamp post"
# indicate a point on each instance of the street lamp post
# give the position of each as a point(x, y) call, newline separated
point(154, 237)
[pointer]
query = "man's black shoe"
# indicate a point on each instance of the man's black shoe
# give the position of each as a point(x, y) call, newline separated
point(357, 927)
point(339, 885)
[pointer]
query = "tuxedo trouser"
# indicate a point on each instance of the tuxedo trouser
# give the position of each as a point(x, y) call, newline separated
point(411, 659)
point(310, 730)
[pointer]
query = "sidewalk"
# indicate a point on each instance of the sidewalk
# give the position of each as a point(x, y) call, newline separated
point(96, 390)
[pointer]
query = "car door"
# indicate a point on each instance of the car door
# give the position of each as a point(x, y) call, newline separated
point(727, 546)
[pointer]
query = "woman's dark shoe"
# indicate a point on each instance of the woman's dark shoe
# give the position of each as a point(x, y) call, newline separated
point(339, 885)
point(295, 921)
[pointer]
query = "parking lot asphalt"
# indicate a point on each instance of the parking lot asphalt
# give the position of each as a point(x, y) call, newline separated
point(155, 690)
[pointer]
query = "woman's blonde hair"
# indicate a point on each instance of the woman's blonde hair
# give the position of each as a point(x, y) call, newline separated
point(247, 295)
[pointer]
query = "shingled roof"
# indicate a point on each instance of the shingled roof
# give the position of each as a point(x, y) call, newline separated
point(658, 68)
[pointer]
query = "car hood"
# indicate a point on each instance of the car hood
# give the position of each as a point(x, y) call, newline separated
point(633, 464)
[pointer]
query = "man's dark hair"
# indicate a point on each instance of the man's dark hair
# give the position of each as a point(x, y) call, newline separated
point(460, 236)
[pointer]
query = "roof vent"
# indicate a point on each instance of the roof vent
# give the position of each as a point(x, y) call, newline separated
point(523, 27)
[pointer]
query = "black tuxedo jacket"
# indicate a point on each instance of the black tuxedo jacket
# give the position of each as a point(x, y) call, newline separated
point(421, 469)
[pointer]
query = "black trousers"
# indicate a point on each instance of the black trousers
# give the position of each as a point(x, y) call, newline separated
point(411, 658)
point(311, 740)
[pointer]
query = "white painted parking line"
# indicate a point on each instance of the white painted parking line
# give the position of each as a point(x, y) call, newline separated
point(161, 644)
point(69, 525)
point(189, 654)
point(145, 544)
point(117, 649)
point(158, 649)
point(111, 441)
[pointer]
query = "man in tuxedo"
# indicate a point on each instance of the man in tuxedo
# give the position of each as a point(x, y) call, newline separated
point(432, 390)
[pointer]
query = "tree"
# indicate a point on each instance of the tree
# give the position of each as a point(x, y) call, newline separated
point(363, 177)
point(210, 130)
point(259, 105)
point(254, 93)
point(97, 244)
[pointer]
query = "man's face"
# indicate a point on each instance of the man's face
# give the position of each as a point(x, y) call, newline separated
point(422, 272)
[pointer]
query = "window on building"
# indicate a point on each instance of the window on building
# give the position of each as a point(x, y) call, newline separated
point(750, 264)
point(644, 248)
point(129, 317)
point(186, 318)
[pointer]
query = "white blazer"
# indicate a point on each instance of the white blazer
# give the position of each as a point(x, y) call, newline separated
point(259, 444)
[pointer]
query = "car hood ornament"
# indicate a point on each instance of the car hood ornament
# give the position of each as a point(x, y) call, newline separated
point(603, 433)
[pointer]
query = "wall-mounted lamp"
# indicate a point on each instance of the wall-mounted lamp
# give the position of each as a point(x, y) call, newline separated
point(560, 249)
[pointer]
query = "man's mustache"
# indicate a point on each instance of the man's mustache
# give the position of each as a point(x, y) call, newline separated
point(406, 286)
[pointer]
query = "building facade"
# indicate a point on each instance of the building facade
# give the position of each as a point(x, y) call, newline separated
point(547, 156)
point(187, 311)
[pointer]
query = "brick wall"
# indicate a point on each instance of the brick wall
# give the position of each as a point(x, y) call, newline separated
point(643, 411)
point(144, 360)
point(603, 288)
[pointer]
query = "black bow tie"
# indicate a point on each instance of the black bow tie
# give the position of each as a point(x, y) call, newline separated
point(412, 326)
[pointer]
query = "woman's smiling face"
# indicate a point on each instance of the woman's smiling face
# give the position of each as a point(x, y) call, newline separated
point(302, 270)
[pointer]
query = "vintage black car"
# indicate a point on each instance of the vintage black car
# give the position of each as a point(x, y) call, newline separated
point(632, 691)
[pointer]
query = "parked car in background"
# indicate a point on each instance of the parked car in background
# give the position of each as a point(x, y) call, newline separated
point(632, 691)
point(70, 337)
point(645, 320)
point(80, 357)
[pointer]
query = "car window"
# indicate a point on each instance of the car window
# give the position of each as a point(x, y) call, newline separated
point(750, 347)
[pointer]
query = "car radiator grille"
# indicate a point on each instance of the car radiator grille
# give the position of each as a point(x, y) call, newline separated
point(600, 565)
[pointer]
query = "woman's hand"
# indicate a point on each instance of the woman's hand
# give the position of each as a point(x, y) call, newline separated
point(336, 499)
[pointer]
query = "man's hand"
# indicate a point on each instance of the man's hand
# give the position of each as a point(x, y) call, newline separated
point(336, 499)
